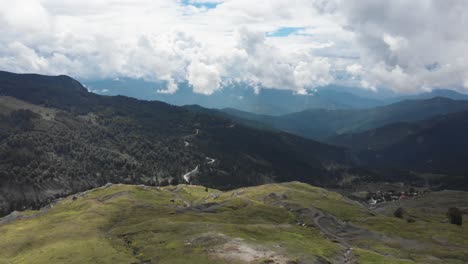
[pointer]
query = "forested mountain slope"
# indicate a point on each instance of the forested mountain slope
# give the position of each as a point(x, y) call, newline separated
point(57, 138)
point(435, 146)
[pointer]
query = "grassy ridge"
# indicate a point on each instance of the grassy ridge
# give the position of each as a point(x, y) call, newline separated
point(138, 224)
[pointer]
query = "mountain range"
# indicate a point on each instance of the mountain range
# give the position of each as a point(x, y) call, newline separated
point(435, 145)
point(57, 138)
point(260, 100)
point(320, 124)
point(423, 137)
point(240, 96)
point(446, 93)
point(150, 182)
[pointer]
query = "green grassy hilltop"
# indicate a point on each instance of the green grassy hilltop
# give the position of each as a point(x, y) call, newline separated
point(274, 223)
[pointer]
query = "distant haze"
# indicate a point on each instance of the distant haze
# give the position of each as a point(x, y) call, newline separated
point(264, 101)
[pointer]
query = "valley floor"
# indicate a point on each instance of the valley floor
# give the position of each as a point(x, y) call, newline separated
point(276, 223)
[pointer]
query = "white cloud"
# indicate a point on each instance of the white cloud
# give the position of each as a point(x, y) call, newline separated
point(354, 69)
point(24, 15)
point(398, 41)
point(313, 73)
point(204, 78)
point(170, 89)
point(395, 43)
point(263, 64)
point(377, 42)
point(20, 56)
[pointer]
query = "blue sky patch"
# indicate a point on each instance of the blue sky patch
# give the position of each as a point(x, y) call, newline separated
point(284, 31)
point(207, 4)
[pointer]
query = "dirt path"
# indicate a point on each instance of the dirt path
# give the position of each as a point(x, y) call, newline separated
point(348, 253)
point(185, 138)
point(178, 196)
point(188, 176)
point(330, 225)
point(197, 131)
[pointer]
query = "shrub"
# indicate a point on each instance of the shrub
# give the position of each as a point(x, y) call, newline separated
point(455, 216)
point(164, 182)
point(399, 212)
point(174, 181)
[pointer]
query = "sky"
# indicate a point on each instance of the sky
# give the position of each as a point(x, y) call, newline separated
point(298, 45)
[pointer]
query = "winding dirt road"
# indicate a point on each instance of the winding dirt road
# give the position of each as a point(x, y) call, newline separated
point(189, 175)
point(194, 172)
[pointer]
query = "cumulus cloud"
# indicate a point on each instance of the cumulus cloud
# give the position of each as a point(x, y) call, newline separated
point(263, 64)
point(204, 78)
point(407, 46)
point(171, 88)
point(401, 41)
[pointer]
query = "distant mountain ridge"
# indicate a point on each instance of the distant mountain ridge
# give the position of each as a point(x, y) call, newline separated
point(320, 124)
point(446, 93)
point(239, 96)
point(434, 146)
point(415, 138)
point(261, 101)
